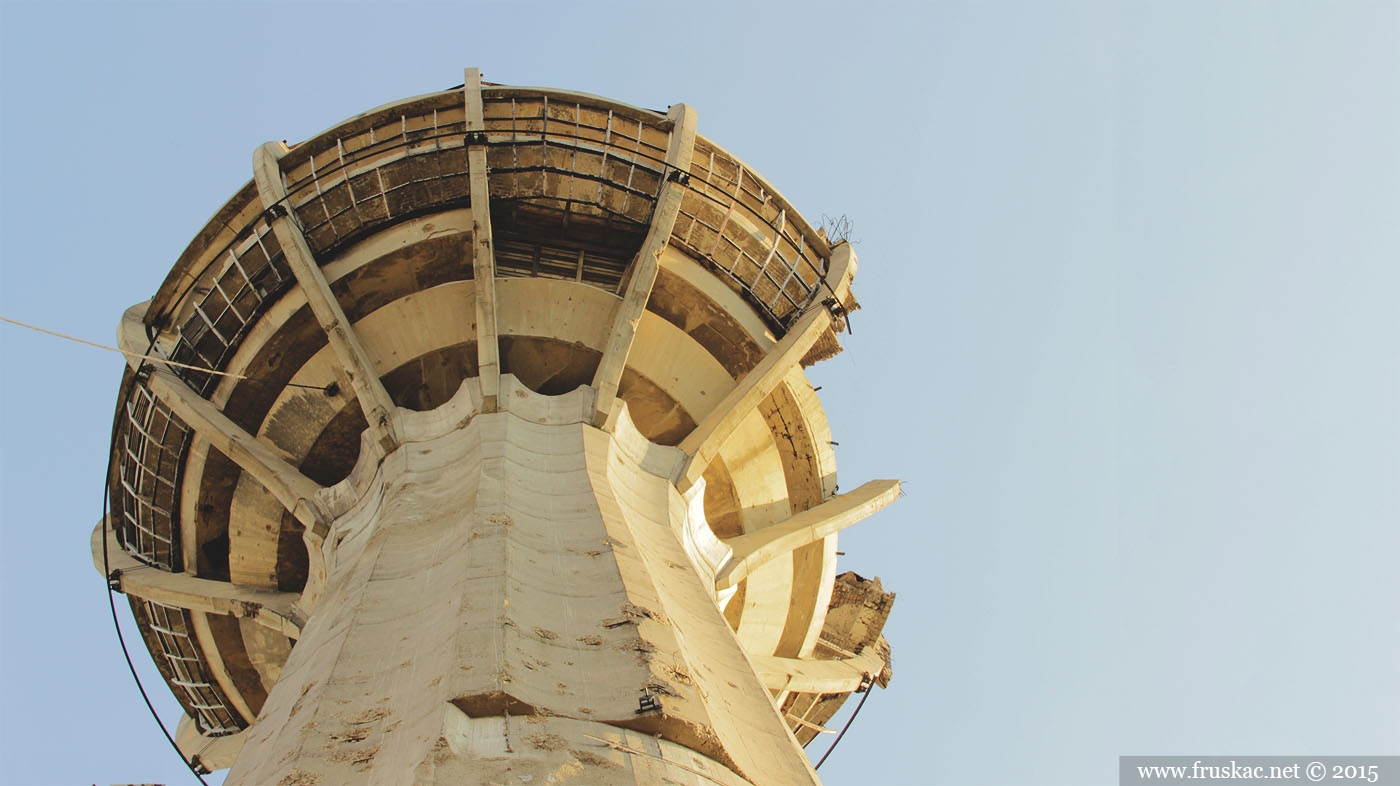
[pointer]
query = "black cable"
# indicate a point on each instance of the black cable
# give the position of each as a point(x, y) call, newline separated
point(868, 691)
point(112, 603)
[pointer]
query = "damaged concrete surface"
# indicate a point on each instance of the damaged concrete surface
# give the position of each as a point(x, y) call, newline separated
point(510, 465)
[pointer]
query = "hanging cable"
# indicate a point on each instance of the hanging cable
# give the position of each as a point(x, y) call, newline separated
point(158, 359)
point(112, 600)
point(869, 689)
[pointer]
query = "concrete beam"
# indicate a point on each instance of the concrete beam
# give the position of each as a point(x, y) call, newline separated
point(364, 379)
point(295, 491)
point(208, 753)
point(644, 265)
point(798, 675)
point(488, 349)
point(268, 608)
point(753, 549)
point(704, 443)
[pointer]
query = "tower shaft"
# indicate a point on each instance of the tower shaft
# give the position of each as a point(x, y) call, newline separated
point(511, 595)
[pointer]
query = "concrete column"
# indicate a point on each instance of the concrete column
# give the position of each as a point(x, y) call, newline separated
point(374, 399)
point(488, 349)
point(644, 265)
point(709, 436)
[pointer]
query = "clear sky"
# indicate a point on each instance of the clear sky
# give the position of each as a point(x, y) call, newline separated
point(1129, 336)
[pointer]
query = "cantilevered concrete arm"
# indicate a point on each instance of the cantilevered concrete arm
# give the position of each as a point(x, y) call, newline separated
point(756, 548)
point(268, 608)
point(634, 301)
point(705, 441)
point(295, 491)
point(211, 753)
point(354, 360)
point(797, 675)
point(488, 349)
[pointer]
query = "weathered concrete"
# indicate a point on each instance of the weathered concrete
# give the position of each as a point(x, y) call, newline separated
point(644, 267)
point(483, 249)
point(268, 608)
point(705, 442)
point(810, 526)
point(293, 490)
point(354, 361)
point(521, 565)
point(515, 447)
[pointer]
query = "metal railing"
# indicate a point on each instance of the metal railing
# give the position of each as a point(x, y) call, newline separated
point(151, 443)
point(253, 274)
point(191, 680)
point(343, 186)
point(734, 220)
point(589, 168)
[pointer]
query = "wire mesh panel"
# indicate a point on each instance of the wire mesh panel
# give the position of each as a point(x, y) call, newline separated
point(194, 686)
point(350, 184)
point(569, 176)
point(573, 185)
point(732, 219)
point(253, 273)
point(580, 160)
point(517, 258)
point(151, 443)
point(579, 181)
point(398, 166)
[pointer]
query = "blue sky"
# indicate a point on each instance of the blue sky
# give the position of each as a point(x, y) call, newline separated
point(1128, 273)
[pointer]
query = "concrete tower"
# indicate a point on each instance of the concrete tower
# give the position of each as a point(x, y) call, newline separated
point(509, 472)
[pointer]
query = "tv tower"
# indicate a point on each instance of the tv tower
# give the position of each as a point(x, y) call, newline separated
point(471, 444)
